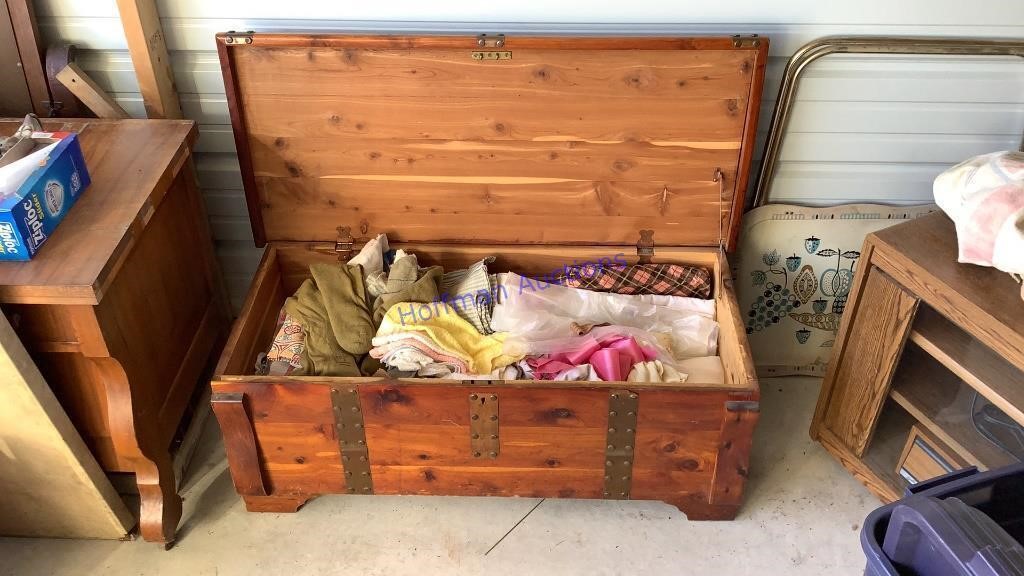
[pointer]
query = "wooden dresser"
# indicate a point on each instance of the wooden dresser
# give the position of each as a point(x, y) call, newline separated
point(924, 342)
point(123, 307)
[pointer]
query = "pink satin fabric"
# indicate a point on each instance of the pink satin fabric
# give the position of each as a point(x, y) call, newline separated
point(612, 358)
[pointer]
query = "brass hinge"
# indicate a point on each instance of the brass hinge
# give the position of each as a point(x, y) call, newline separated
point(348, 424)
point(746, 41)
point(492, 41)
point(619, 448)
point(343, 245)
point(483, 425)
point(645, 247)
point(232, 37)
point(496, 40)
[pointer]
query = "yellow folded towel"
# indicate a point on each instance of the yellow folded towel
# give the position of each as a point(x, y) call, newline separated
point(442, 324)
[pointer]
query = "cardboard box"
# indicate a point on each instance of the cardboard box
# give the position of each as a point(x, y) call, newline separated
point(32, 210)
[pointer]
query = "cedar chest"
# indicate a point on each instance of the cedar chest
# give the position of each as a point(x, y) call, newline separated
point(542, 151)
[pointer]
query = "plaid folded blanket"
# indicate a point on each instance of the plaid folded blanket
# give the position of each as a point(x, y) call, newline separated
point(664, 279)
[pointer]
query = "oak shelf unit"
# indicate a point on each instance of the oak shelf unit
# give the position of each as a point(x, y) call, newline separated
point(942, 403)
point(884, 451)
point(984, 370)
point(923, 341)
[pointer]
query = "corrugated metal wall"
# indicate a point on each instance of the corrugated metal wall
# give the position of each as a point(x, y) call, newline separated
point(864, 128)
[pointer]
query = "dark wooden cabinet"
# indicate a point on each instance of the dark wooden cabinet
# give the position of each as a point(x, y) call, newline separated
point(23, 84)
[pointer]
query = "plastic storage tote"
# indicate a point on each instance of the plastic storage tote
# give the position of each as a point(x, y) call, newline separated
point(965, 523)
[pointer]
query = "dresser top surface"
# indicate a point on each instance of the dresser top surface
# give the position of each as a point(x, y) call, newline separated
point(131, 164)
point(928, 245)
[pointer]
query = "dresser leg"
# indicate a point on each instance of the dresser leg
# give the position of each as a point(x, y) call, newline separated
point(161, 505)
point(147, 452)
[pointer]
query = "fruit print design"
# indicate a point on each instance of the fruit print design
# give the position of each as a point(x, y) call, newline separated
point(783, 297)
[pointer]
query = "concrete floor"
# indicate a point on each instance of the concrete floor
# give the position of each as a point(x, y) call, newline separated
point(802, 516)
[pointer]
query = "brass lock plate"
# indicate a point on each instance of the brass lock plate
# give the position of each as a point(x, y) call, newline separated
point(483, 425)
point(492, 55)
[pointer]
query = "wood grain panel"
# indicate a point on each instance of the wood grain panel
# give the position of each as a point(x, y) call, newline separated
point(303, 198)
point(30, 49)
point(239, 444)
point(581, 117)
point(521, 446)
point(853, 304)
point(492, 161)
point(418, 113)
point(294, 258)
point(867, 361)
point(672, 74)
point(922, 254)
point(300, 457)
point(733, 345)
point(677, 438)
point(550, 440)
point(295, 434)
point(171, 300)
point(506, 209)
point(493, 481)
point(145, 38)
point(257, 319)
point(733, 465)
point(81, 394)
point(441, 405)
point(294, 403)
point(16, 99)
point(128, 179)
point(42, 327)
point(549, 228)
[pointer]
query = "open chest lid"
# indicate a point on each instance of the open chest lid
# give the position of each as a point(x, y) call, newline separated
point(494, 139)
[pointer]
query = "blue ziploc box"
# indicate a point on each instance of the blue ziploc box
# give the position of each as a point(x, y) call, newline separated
point(29, 216)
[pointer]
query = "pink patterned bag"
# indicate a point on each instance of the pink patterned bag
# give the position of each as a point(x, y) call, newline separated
point(984, 197)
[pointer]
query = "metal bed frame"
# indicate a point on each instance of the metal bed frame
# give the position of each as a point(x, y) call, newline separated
point(860, 45)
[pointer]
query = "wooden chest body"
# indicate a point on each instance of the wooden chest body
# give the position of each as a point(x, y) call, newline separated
point(561, 152)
